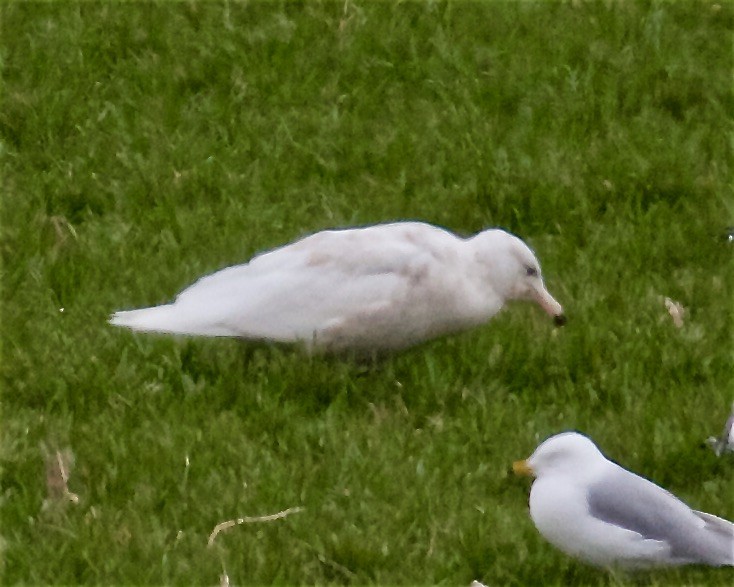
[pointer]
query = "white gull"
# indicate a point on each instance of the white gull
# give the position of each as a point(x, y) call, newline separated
point(365, 290)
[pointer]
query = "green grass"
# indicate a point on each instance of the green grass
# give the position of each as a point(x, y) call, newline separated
point(144, 145)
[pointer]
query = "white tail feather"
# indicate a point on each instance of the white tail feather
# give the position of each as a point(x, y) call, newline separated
point(171, 319)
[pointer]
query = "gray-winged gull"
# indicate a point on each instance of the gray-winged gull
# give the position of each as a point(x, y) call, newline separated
point(725, 442)
point(594, 510)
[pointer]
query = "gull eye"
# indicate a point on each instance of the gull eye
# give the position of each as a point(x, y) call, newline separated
point(531, 271)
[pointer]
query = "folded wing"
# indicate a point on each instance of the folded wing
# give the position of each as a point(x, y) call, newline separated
point(294, 292)
point(634, 503)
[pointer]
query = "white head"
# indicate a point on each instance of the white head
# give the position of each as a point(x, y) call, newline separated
point(514, 270)
point(568, 453)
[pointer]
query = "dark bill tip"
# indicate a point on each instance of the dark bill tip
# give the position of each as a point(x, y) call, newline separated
point(560, 319)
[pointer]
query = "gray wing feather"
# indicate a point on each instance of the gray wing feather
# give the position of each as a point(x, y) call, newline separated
point(632, 502)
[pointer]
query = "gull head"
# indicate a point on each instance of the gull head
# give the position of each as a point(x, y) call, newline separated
point(514, 271)
point(568, 453)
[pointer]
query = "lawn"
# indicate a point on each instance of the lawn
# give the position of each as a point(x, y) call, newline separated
point(143, 145)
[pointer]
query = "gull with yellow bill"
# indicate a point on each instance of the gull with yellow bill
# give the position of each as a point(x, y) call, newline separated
point(596, 511)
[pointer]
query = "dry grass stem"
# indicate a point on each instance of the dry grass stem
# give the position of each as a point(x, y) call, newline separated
point(251, 520)
point(337, 567)
point(58, 466)
point(676, 311)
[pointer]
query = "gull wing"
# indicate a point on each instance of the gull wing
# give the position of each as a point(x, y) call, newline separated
point(293, 292)
point(629, 501)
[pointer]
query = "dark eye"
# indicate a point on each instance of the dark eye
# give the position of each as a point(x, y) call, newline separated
point(531, 271)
